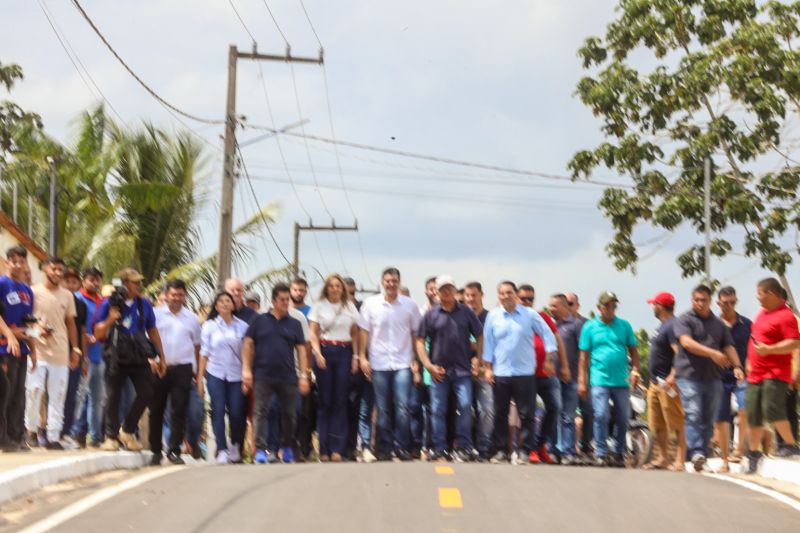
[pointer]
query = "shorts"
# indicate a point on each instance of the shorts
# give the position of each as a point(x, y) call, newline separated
point(729, 390)
point(665, 412)
point(766, 402)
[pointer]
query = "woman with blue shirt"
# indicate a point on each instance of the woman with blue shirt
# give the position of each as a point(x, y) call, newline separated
point(221, 364)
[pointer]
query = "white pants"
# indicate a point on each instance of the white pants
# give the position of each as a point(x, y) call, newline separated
point(53, 379)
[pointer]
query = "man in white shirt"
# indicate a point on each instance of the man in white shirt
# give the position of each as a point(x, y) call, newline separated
point(179, 330)
point(388, 323)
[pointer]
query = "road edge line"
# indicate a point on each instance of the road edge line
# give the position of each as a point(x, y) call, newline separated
point(787, 500)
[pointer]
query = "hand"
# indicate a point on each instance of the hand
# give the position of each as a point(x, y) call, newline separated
point(321, 363)
point(366, 368)
point(760, 348)
point(44, 332)
point(34, 360)
point(92, 339)
point(303, 386)
point(549, 368)
point(634, 380)
point(74, 360)
point(488, 375)
point(247, 381)
point(721, 359)
point(114, 314)
point(583, 390)
point(19, 333)
point(85, 366)
point(13, 347)
point(354, 366)
point(671, 381)
point(566, 374)
point(437, 373)
point(201, 389)
point(795, 385)
point(154, 367)
point(162, 369)
point(739, 374)
point(416, 378)
point(475, 367)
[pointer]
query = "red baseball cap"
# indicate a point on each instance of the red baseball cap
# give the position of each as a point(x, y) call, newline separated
point(663, 298)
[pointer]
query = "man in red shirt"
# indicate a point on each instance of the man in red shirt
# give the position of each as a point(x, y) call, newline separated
point(774, 337)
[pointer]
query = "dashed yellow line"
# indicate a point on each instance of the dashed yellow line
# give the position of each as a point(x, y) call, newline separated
point(450, 498)
point(445, 470)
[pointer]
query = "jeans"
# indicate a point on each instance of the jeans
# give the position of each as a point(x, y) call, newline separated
point(175, 387)
point(333, 384)
point(359, 417)
point(264, 391)
point(71, 400)
point(700, 398)
point(5, 391)
point(621, 396)
point(587, 415)
point(549, 390)
point(569, 405)
point(392, 389)
point(53, 379)
point(419, 424)
point(89, 404)
point(523, 391)
point(16, 372)
point(483, 401)
point(142, 379)
point(440, 392)
point(226, 396)
point(194, 418)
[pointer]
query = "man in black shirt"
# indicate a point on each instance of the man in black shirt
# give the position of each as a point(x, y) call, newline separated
point(72, 282)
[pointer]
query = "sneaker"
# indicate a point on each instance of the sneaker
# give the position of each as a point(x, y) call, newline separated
point(175, 458)
point(499, 458)
point(336, 457)
point(480, 458)
point(753, 460)
point(31, 440)
point(155, 460)
point(261, 457)
point(698, 461)
point(287, 455)
point(366, 456)
point(69, 443)
point(110, 445)
point(616, 460)
point(533, 457)
point(545, 456)
point(197, 453)
point(130, 441)
point(54, 446)
point(416, 453)
point(272, 457)
point(600, 462)
point(95, 445)
point(436, 457)
point(234, 455)
point(41, 438)
point(788, 450)
point(403, 455)
point(324, 458)
point(463, 456)
point(222, 457)
point(569, 460)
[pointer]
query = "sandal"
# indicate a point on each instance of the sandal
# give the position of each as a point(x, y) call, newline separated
point(654, 466)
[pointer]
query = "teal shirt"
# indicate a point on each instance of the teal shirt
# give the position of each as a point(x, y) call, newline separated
point(608, 346)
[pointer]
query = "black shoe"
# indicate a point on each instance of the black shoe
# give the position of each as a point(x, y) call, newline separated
point(382, 456)
point(403, 455)
point(156, 459)
point(698, 461)
point(616, 460)
point(175, 458)
point(463, 456)
point(416, 453)
point(569, 460)
point(600, 462)
point(481, 459)
point(32, 440)
point(435, 456)
point(54, 446)
point(197, 453)
point(498, 458)
point(788, 450)
point(753, 460)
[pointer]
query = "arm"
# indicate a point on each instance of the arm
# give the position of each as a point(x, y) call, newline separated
point(563, 362)
point(316, 349)
point(72, 333)
point(583, 374)
point(633, 352)
point(248, 351)
point(541, 328)
point(735, 362)
point(354, 337)
point(201, 371)
point(161, 366)
point(695, 348)
point(303, 383)
point(783, 347)
point(363, 342)
point(11, 338)
point(476, 362)
point(102, 327)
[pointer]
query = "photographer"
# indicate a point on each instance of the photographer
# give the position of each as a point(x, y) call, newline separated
point(126, 324)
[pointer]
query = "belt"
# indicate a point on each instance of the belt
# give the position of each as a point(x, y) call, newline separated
point(335, 343)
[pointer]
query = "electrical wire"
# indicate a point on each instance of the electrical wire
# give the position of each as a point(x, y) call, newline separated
point(241, 21)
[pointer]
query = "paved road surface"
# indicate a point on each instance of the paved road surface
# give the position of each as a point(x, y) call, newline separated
point(389, 497)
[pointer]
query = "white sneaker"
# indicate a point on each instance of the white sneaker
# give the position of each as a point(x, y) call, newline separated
point(68, 443)
point(110, 445)
point(234, 455)
point(367, 456)
point(222, 457)
point(130, 441)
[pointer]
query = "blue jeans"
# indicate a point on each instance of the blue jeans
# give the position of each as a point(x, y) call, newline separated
point(549, 390)
point(483, 400)
point(89, 404)
point(462, 387)
point(419, 408)
point(621, 397)
point(71, 400)
point(392, 390)
point(333, 383)
point(366, 405)
point(569, 405)
point(700, 398)
point(226, 397)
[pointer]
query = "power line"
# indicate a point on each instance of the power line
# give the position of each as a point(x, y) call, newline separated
point(311, 24)
point(141, 82)
point(241, 20)
point(275, 21)
point(243, 199)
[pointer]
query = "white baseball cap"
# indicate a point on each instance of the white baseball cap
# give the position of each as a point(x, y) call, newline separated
point(445, 280)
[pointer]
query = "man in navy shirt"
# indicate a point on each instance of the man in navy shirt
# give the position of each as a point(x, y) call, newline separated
point(268, 369)
point(449, 326)
point(482, 390)
point(16, 302)
point(135, 317)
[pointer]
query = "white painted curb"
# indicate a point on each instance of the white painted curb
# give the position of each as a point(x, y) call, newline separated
point(787, 470)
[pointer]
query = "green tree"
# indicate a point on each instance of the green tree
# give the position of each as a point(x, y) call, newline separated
point(679, 81)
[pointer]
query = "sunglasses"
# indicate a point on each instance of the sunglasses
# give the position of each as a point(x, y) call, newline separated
point(526, 299)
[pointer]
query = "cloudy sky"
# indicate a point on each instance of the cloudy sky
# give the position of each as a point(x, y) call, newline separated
point(483, 82)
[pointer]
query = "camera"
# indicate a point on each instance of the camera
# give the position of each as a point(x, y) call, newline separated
point(118, 297)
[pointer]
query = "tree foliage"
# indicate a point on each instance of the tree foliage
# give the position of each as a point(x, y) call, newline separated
point(678, 81)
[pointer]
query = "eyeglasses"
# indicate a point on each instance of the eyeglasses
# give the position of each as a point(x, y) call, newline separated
point(571, 304)
point(527, 299)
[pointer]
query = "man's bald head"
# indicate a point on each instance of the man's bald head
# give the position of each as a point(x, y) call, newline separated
point(235, 288)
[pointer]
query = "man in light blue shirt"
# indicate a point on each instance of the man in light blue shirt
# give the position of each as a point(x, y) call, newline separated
point(510, 363)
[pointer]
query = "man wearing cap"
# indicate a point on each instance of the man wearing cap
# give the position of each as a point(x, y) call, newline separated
point(665, 413)
point(253, 300)
point(704, 345)
point(135, 319)
point(449, 325)
point(606, 342)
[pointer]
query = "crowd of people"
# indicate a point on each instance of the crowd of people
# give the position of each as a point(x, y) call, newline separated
point(384, 379)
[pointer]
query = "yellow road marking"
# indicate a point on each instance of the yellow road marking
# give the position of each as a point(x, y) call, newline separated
point(445, 470)
point(450, 498)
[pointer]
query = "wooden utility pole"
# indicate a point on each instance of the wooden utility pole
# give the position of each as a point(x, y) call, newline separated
point(707, 217)
point(52, 243)
point(311, 227)
point(226, 207)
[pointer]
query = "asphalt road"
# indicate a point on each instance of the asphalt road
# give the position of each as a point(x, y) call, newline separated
point(390, 497)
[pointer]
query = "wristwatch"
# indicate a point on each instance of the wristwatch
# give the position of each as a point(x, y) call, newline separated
point(77, 350)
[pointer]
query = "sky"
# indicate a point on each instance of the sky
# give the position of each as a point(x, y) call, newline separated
point(482, 82)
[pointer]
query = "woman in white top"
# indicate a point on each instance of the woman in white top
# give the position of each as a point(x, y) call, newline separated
point(334, 333)
point(221, 364)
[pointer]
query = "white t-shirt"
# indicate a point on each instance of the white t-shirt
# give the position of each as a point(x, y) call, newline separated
point(390, 327)
point(335, 320)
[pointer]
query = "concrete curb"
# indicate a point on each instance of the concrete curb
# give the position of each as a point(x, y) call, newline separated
point(29, 478)
point(778, 469)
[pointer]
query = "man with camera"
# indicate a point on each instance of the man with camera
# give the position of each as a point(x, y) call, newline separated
point(126, 324)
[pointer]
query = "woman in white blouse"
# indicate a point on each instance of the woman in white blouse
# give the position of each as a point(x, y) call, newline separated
point(221, 364)
point(334, 333)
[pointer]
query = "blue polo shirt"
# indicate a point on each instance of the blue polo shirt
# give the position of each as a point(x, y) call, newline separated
point(16, 301)
point(92, 312)
point(449, 333)
point(608, 346)
point(508, 340)
point(275, 340)
point(130, 316)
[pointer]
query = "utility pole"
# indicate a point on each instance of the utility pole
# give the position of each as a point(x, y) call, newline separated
point(52, 243)
point(707, 216)
point(226, 207)
point(311, 227)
